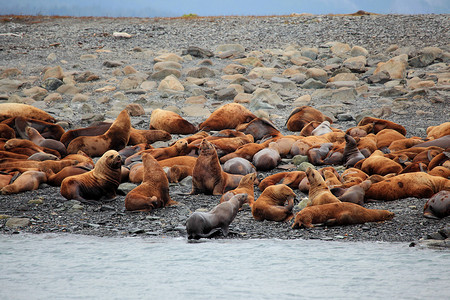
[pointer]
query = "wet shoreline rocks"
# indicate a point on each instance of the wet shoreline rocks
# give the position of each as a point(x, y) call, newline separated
point(347, 67)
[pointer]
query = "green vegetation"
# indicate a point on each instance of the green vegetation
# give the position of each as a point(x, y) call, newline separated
point(189, 16)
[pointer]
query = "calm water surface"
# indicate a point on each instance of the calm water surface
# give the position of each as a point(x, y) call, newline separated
point(82, 267)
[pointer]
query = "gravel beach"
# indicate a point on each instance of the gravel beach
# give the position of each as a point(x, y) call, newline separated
point(269, 64)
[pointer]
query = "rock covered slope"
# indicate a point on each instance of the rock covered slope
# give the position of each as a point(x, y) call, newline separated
point(80, 70)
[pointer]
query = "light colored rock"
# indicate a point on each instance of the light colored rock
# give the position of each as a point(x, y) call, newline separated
point(234, 69)
point(148, 85)
point(53, 97)
point(300, 61)
point(168, 57)
point(359, 51)
point(37, 93)
point(159, 75)
point(135, 109)
point(340, 49)
point(196, 100)
point(166, 65)
point(108, 88)
point(396, 67)
point(55, 72)
point(68, 89)
point(201, 72)
point(239, 88)
point(260, 72)
point(17, 222)
point(284, 82)
point(122, 35)
point(317, 74)
point(243, 98)
point(196, 111)
point(129, 83)
point(356, 64)
point(120, 96)
point(250, 61)
point(127, 70)
point(312, 83)
point(85, 57)
point(302, 100)
point(80, 98)
point(51, 57)
point(170, 83)
point(266, 96)
point(343, 77)
point(230, 47)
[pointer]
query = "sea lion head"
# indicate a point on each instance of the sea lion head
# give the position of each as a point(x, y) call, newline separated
point(206, 147)
point(241, 198)
point(181, 145)
point(110, 159)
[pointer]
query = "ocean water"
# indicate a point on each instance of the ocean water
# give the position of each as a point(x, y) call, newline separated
point(83, 267)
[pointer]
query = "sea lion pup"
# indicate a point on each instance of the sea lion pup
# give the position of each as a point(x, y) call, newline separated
point(177, 173)
point(270, 204)
point(435, 132)
point(171, 122)
point(27, 181)
point(386, 136)
point(246, 151)
point(416, 184)
point(97, 185)
point(331, 180)
point(291, 179)
point(317, 154)
point(38, 139)
point(438, 206)
point(204, 224)
point(246, 186)
point(378, 164)
point(351, 153)
point(319, 193)
point(6, 132)
point(302, 115)
point(360, 131)
point(268, 158)
point(153, 192)
point(239, 165)
point(259, 128)
point(342, 213)
point(115, 138)
point(380, 124)
point(11, 110)
point(207, 176)
point(354, 194)
point(14, 144)
point(227, 116)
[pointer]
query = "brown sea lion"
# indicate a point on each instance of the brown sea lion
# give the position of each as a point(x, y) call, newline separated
point(439, 160)
point(380, 124)
point(416, 184)
point(7, 178)
point(354, 194)
point(177, 149)
point(342, 213)
point(115, 138)
point(319, 193)
point(239, 165)
point(301, 116)
point(259, 128)
point(435, 132)
point(55, 179)
point(331, 180)
point(270, 205)
point(228, 145)
point(27, 181)
point(352, 176)
point(386, 136)
point(25, 165)
point(171, 122)
point(7, 132)
point(440, 171)
point(203, 224)
point(8, 154)
point(12, 144)
point(139, 136)
point(11, 110)
point(153, 192)
point(438, 206)
point(360, 131)
point(405, 143)
point(378, 164)
point(246, 151)
point(46, 129)
point(177, 173)
point(246, 186)
point(38, 139)
point(351, 153)
point(93, 130)
point(268, 158)
point(41, 156)
point(316, 155)
point(100, 184)
point(291, 179)
point(367, 144)
point(227, 116)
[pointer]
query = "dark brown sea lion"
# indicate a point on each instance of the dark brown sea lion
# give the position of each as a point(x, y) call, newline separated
point(27, 181)
point(342, 213)
point(46, 129)
point(354, 194)
point(6, 132)
point(319, 193)
point(259, 128)
point(203, 224)
point(442, 142)
point(171, 122)
point(115, 138)
point(351, 153)
point(100, 184)
point(438, 206)
point(94, 130)
point(301, 116)
point(316, 155)
point(55, 179)
point(38, 139)
point(246, 186)
point(10, 110)
point(153, 192)
point(416, 184)
point(271, 204)
point(227, 116)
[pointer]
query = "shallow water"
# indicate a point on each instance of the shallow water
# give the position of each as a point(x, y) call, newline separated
point(83, 267)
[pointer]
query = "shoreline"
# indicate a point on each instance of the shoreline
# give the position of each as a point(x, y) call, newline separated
point(84, 44)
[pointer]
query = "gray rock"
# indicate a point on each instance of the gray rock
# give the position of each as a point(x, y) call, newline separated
point(164, 73)
point(313, 84)
point(305, 165)
point(201, 72)
point(226, 94)
point(112, 64)
point(198, 52)
point(17, 222)
point(51, 84)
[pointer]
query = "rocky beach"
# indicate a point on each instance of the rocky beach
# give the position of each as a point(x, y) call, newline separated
point(84, 70)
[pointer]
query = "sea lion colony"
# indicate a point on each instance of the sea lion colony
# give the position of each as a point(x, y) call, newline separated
point(381, 163)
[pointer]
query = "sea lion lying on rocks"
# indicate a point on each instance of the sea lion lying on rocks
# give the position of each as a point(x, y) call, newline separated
point(270, 204)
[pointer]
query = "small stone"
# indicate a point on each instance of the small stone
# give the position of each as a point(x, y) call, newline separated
point(298, 159)
point(55, 72)
point(51, 84)
point(226, 94)
point(313, 84)
point(135, 109)
point(127, 70)
point(317, 74)
point(112, 64)
point(230, 47)
point(170, 83)
point(80, 98)
point(17, 222)
point(168, 57)
point(305, 165)
point(35, 201)
point(123, 35)
point(159, 75)
point(198, 52)
point(201, 72)
point(85, 57)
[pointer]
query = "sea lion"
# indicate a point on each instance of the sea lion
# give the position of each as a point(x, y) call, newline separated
point(438, 206)
point(323, 128)
point(177, 149)
point(177, 173)
point(171, 122)
point(41, 156)
point(27, 181)
point(360, 131)
point(405, 143)
point(239, 165)
point(10, 110)
point(442, 142)
point(302, 115)
point(342, 213)
point(100, 184)
point(316, 155)
point(352, 176)
point(268, 158)
point(246, 186)
point(153, 192)
point(435, 132)
point(259, 128)
point(319, 193)
point(351, 153)
point(38, 139)
point(203, 224)
point(230, 144)
point(227, 116)
point(139, 136)
point(440, 171)
point(115, 138)
point(55, 179)
point(380, 124)
point(26, 144)
point(26, 165)
point(354, 194)
point(94, 130)
point(46, 129)
point(270, 204)
point(331, 180)
point(131, 150)
point(291, 179)
point(415, 184)
point(386, 136)
point(376, 163)
point(6, 132)
point(246, 151)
